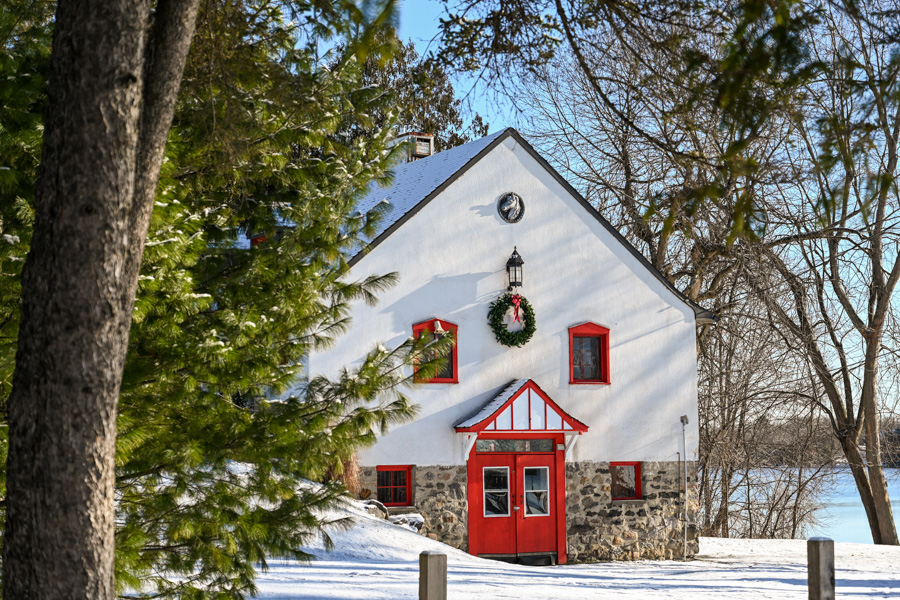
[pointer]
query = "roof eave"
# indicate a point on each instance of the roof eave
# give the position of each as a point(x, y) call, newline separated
point(424, 201)
point(705, 317)
point(701, 315)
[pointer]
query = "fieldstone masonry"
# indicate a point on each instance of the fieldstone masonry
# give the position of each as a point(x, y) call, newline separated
point(438, 494)
point(650, 528)
point(597, 527)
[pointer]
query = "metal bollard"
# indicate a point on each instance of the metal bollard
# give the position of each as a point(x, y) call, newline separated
point(820, 559)
point(432, 576)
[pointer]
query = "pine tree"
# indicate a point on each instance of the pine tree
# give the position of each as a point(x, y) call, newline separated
point(420, 95)
point(23, 63)
point(244, 274)
point(23, 74)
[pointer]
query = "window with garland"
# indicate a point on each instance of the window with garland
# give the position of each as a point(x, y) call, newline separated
point(437, 328)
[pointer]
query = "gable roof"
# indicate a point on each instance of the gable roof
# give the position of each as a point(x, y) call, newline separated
point(522, 406)
point(418, 183)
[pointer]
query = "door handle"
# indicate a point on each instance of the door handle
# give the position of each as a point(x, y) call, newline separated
point(515, 508)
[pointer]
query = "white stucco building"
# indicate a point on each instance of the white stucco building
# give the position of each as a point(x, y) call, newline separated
point(570, 446)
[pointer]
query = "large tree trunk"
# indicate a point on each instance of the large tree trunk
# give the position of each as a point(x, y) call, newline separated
point(113, 84)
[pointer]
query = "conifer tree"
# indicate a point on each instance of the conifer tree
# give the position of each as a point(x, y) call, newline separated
point(25, 36)
point(420, 95)
point(244, 274)
point(24, 59)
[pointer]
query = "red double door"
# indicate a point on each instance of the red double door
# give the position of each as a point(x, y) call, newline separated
point(516, 505)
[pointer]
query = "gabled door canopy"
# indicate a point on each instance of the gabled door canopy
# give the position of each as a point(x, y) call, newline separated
point(521, 410)
point(522, 406)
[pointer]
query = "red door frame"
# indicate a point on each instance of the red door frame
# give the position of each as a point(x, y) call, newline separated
point(475, 491)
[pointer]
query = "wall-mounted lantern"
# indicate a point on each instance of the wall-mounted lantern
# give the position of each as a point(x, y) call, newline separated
point(514, 270)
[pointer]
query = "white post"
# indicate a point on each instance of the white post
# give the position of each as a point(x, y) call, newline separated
point(820, 558)
point(471, 438)
point(570, 443)
point(432, 576)
point(684, 514)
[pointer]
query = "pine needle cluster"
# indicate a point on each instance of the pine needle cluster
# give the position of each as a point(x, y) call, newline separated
point(244, 275)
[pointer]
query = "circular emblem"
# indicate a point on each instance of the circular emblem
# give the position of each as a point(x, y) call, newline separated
point(511, 207)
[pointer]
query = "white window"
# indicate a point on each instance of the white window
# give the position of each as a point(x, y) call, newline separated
point(496, 491)
point(537, 491)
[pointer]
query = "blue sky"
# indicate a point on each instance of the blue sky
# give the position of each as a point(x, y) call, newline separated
point(419, 20)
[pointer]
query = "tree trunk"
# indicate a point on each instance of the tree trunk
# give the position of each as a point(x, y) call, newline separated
point(78, 288)
point(884, 531)
point(855, 460)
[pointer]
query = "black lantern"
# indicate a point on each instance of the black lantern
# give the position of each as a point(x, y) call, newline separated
point(514, 270)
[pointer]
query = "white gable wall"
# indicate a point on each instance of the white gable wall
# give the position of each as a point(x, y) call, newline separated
point(451, 258)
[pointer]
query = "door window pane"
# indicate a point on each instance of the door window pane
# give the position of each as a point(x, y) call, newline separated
point(537, 491)
point(496, 492)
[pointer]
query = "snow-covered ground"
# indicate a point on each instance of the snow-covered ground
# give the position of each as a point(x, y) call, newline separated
point(377, 560)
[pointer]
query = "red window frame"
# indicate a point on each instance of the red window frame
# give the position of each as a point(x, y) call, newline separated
point(594, 331)
point(408, 486)
point(428, 326)
point(637, 480)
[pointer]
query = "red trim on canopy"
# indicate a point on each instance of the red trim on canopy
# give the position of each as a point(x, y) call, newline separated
point(527, 408)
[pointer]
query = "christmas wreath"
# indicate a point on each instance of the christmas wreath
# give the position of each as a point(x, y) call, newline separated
point(500, 307)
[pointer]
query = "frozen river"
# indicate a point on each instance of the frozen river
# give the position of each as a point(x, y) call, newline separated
point(844, 519)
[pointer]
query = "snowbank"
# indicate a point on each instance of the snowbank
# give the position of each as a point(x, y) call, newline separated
point(375, 560)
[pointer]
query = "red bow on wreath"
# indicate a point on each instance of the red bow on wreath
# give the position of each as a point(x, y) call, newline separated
point(516, 300)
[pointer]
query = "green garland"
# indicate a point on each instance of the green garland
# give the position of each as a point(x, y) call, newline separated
point(499, 308)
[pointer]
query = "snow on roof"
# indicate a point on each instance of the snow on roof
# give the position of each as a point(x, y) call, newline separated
point(413, 182)
point(417, 182)
point(494, 405)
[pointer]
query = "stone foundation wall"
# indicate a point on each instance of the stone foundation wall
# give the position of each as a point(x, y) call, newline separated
point(598, 528)
point(439, 494)
point(651, 528)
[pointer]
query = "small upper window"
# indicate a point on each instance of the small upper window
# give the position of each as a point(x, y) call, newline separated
point(436, 328)
point(588, 354)
point(395, 485)
point(626, 480)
